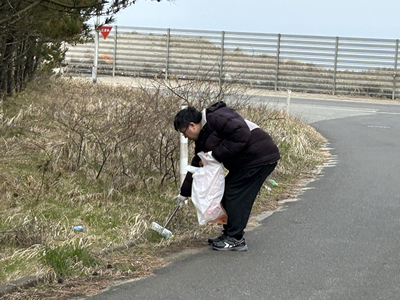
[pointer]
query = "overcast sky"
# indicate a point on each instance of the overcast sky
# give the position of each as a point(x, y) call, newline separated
point(343, 18)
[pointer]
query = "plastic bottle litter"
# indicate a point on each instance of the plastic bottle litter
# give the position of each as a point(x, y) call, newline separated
point(273, 182)
point(161, 230)
point(78, 228)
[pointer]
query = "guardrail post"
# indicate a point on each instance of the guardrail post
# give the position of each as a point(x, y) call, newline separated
point(289, 92)
point(183, 162)
point(278, 49)
point(396, 53)
point(335, 65)
point(221, 64)
point(115, 49)
point(167, 54)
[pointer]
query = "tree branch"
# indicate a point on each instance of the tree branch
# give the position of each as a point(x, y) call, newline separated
point(21, 12)
point(95, 3)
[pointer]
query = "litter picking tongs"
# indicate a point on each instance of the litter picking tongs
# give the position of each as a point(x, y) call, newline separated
point(163, 229)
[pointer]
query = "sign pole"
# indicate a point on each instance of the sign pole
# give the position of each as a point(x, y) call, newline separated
point(96, 50)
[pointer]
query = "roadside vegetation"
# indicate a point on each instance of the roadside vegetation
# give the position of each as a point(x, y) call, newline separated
point(107, 158)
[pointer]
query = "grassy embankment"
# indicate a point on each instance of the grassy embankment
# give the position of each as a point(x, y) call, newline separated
point(106, 158)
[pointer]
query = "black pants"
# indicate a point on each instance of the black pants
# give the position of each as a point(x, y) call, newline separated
point(241, 189)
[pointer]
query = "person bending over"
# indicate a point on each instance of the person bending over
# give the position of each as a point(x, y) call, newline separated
point(248, 152)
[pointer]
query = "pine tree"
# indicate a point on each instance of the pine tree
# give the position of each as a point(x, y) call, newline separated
point(32, 33)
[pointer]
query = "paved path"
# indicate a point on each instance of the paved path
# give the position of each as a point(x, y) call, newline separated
point(340, 240)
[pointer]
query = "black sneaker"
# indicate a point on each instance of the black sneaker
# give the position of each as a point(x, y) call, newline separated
point(217, 239)
point(230, 244)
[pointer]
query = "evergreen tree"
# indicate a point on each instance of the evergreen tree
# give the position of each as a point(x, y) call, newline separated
point(32, 32)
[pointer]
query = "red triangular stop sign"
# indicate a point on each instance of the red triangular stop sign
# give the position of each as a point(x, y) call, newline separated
point(105, 30)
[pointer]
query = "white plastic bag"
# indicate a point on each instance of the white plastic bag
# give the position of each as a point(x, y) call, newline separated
point(208, 189)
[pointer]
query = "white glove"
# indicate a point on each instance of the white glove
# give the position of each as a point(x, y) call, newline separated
point(181, 200)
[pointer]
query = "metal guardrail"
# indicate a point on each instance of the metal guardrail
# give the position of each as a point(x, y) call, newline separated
point(315, 64)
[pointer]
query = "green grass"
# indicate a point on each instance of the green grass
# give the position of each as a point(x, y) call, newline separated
point(64, 260)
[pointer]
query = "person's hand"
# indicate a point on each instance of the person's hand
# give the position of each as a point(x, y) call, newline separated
point(181, 200)
point(205, 154)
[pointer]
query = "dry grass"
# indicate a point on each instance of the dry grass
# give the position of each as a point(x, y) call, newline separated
point(106, 158)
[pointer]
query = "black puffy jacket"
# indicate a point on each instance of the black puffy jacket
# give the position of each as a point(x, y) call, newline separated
point(234, 141)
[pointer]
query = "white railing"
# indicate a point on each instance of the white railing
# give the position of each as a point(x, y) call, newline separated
point(315, 64)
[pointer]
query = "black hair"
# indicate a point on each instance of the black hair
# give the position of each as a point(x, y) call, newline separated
point(185, 116)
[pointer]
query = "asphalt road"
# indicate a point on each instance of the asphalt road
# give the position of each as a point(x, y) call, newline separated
point(340, 240)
